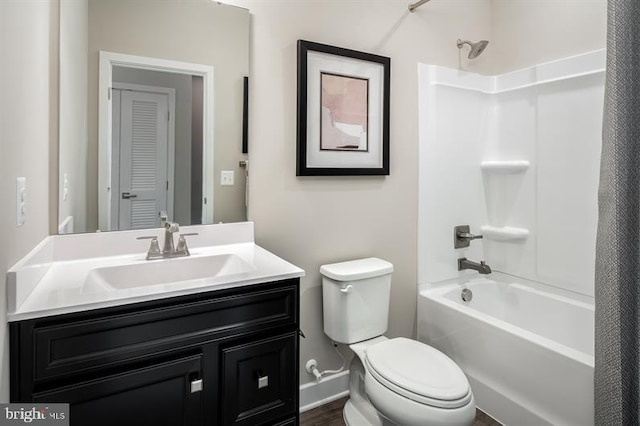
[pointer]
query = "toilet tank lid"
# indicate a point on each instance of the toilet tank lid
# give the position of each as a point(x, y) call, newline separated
point(356, 269)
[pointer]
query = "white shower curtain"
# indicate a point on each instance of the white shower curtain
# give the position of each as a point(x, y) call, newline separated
point(617, 351)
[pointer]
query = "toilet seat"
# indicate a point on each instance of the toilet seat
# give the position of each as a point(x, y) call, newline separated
point(418, 372)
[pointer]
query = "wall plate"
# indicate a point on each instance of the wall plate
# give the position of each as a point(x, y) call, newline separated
point(227, 177)
point(460, 242)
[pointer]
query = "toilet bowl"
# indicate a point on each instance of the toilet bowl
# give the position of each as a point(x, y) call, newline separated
point(412, 384)
point(391, 381)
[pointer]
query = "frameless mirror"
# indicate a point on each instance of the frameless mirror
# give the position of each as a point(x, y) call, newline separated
point(151, 113)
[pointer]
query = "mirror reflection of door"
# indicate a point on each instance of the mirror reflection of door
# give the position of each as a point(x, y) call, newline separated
point(143, 120)
point(155, 148)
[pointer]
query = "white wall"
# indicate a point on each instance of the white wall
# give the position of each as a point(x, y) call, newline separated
point(527, 32)
point(28, 122)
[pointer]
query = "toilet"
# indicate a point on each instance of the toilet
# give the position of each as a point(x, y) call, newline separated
point(391, 381)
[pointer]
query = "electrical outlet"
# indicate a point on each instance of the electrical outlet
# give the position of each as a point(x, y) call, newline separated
point(21, 204)
point(226, 177)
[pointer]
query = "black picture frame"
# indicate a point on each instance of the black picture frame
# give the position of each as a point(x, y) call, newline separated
point(245, 115)
point(315, 59)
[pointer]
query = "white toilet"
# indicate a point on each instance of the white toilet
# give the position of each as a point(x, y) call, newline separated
point(391, 381)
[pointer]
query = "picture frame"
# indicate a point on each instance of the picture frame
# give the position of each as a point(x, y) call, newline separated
point(343, 111)
point(245, 115)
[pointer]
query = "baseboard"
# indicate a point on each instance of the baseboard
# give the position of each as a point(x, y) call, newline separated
point(329, 389)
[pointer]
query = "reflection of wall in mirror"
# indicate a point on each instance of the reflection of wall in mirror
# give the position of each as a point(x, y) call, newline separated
point(195, 31)
point(72, 199)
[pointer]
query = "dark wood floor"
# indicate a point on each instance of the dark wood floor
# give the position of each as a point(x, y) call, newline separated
point(331, 415)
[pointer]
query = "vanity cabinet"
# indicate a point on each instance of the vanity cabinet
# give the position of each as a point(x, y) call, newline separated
point(227, 357)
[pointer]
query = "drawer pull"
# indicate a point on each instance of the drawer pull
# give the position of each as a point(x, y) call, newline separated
point(196, 386)
point(263, 382)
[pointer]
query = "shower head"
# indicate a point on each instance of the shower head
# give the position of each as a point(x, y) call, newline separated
point(476, 48)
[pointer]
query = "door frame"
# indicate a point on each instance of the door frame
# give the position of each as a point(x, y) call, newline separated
point(105, 82)
point(115, 147)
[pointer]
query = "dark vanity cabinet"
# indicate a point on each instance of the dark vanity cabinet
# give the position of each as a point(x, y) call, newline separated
point(228, 357)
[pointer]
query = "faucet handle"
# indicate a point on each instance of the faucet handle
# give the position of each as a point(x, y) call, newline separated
point(182, 243)
point(154, 247)
point(462, 236)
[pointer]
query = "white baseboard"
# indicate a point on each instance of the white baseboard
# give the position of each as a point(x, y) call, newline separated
point(328, 389)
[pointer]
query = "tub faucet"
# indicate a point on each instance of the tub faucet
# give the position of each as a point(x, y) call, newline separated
point(464, 263)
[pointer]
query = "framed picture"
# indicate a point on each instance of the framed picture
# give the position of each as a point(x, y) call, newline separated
point(343, 111)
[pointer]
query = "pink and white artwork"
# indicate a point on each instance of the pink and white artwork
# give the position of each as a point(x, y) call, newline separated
point(343, 113)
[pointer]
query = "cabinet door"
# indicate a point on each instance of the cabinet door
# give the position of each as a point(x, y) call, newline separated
point(167, 393)
point(260, 381)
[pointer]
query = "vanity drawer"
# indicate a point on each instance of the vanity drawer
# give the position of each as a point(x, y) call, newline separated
point(259, 379)
point(94, 342)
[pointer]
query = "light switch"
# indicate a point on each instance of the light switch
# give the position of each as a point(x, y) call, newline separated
point(21, 204)
point(226, 177)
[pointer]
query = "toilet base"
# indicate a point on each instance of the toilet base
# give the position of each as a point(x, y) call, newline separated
point(358, 410)
point(353, 417)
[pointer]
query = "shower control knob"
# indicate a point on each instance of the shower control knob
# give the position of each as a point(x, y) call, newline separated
point(462, 236)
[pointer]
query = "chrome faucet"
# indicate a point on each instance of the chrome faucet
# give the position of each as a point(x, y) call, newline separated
point(169, 249)
point(482, 267)
point(169, 229)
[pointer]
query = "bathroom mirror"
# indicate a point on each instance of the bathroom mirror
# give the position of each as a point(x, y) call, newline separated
point(184, 59)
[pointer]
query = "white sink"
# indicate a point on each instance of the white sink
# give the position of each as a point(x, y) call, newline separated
point(74, 273)
point(165, 271)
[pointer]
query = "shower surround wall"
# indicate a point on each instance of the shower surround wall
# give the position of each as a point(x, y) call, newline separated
point(518, 153)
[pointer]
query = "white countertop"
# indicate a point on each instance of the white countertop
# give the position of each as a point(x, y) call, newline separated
point(48, 282)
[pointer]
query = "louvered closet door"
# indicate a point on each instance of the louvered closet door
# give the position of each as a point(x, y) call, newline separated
point(143, 159)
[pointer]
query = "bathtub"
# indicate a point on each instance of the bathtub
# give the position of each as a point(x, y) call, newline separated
point(526, 348)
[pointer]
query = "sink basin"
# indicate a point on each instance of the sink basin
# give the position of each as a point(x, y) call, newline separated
point(166, 271)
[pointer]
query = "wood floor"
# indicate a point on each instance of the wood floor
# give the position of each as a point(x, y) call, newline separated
point(331, 415)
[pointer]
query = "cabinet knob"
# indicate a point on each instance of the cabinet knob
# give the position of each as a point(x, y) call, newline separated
point(196, 386)
point(263, 382)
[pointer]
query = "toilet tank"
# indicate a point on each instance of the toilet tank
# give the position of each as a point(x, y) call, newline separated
point(355, 297)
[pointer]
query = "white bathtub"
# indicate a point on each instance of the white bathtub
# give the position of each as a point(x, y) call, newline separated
point(526, 348)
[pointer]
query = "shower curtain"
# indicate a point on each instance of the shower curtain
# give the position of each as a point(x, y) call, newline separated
point(617, 347)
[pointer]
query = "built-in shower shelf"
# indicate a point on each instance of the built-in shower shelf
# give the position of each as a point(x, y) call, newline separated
point(505, 166)
point(504, 233)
